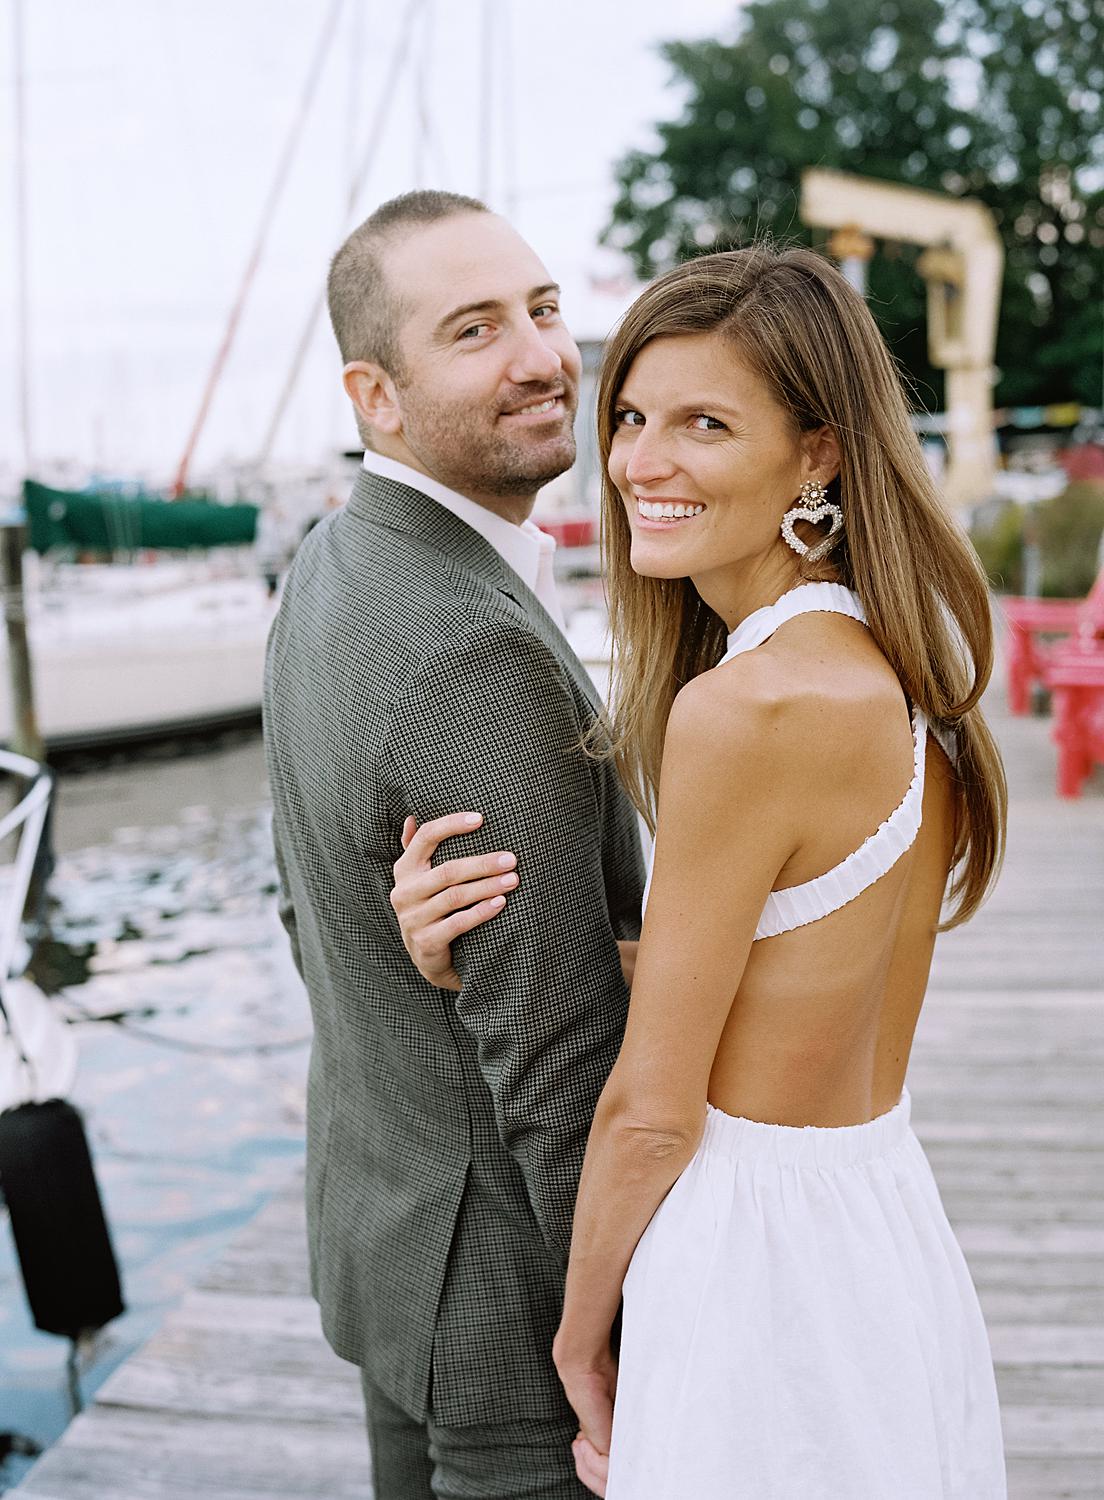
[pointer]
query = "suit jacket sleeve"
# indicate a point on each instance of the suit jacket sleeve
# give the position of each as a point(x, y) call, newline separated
point(492, 725)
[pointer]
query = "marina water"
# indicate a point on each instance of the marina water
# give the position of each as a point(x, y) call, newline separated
point(165, 953)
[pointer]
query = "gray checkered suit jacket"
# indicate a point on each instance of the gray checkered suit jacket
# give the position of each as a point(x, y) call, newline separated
point(411, 671)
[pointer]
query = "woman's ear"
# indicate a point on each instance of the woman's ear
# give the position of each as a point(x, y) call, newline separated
point(822, 454)
point(372, 392)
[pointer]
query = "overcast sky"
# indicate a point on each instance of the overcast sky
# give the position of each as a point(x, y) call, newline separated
point(154, 131)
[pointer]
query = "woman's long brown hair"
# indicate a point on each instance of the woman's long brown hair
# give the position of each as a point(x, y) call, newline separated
point(792, 317)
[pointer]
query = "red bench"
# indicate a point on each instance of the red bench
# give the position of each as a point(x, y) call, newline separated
point(1039, 631)
point(571, 531)
point(1075, 677)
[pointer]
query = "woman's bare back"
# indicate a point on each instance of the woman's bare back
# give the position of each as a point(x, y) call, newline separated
point(821, 1026)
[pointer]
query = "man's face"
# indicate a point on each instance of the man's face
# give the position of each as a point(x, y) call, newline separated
point(490, 381)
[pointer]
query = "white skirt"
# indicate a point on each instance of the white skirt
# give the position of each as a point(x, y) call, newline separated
point(800, 1324)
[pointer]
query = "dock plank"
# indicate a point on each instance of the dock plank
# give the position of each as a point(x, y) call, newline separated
point(112, 1452)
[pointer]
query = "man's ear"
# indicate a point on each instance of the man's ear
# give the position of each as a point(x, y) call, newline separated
point(373, 393)
point(822, 454)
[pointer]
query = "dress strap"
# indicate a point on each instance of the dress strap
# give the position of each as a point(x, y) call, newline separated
point(807, 598)
point(798, 905)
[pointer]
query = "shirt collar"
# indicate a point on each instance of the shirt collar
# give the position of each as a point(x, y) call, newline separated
point(520, 547)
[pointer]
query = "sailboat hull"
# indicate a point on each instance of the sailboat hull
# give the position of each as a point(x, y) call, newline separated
point(128, 666)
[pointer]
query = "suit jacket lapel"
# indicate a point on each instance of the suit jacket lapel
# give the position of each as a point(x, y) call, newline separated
point(399, 507)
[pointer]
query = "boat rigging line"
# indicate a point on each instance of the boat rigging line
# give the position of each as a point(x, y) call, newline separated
point(283, 168)
point(380, 121)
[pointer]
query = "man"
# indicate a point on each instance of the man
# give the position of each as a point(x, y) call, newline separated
point(416, 669)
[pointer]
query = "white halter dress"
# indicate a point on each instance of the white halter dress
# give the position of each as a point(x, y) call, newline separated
point(799, 1321)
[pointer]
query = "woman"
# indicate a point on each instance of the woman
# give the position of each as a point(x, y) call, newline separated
point(801, 639)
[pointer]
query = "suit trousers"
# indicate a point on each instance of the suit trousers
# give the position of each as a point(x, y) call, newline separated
point(522, 1460)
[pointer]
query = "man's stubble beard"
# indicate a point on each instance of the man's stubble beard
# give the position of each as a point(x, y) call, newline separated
point(487, 461)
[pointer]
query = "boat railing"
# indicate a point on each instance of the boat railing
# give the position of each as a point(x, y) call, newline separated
point(29, 816)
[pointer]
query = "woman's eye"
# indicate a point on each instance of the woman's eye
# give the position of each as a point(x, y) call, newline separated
point(707, 423)
point(626, 417)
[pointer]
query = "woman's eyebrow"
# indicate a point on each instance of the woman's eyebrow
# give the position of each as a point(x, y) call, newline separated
point(703, 404)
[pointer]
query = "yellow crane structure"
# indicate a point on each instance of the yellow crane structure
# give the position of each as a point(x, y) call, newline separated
point(962, 265)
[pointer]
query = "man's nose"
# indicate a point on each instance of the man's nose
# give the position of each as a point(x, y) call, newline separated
point(533, 358)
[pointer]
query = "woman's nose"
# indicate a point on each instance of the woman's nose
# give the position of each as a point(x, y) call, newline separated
point(648, 461)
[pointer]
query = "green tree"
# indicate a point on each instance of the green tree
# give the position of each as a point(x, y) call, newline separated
point(994, 99)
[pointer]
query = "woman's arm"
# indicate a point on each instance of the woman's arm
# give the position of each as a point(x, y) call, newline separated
point(437, 903)
point(726, 829)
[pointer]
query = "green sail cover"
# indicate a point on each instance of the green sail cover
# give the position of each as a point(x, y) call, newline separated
point(103, 522)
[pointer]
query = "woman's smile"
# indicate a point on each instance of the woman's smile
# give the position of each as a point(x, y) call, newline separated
point(662, 513)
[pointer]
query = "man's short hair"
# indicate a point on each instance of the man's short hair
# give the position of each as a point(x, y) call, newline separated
point(365, 310)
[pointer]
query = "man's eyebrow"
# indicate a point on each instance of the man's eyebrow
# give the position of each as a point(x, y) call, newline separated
point(492, 304)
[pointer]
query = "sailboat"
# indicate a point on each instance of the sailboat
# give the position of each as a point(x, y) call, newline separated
point(166, 630)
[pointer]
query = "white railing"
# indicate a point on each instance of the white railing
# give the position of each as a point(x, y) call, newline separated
point(30, 813)
point(38, 1053)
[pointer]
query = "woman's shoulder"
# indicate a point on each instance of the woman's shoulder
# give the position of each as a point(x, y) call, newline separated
point(801, 698)
point(739, 719)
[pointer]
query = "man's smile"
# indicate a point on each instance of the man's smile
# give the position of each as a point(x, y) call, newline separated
point(548, 409)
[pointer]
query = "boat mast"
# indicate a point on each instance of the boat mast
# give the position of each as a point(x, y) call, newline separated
point(486, 101)
point(422, 130)
point(25, 736)
point(509, 121)
point(22, 259)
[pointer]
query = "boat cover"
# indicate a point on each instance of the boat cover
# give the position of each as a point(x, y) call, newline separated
point(101, 521)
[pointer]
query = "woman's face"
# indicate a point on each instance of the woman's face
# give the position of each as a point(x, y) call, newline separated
point(705, 460)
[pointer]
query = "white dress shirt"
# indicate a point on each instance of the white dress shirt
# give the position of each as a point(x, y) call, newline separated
point(526, 548)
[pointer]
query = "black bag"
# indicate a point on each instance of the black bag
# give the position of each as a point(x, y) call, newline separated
point(61, 1236)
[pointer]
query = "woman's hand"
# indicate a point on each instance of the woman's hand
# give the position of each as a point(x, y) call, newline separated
point(590, 1384)
point(591, 1467)
point(628, 951)
point(436, 903)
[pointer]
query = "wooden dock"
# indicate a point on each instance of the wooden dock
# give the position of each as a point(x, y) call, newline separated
point(238, 1396)
point(1007, 1081)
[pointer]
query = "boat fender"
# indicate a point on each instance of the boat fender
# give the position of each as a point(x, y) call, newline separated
point(61, 1236)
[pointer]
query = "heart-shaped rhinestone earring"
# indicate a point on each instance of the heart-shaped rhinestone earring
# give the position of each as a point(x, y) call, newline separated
point(814, 506)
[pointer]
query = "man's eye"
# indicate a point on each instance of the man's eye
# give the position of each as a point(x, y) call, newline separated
point(712, 425)
point(548, 309)
point(626, 416)
point(474, 331)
